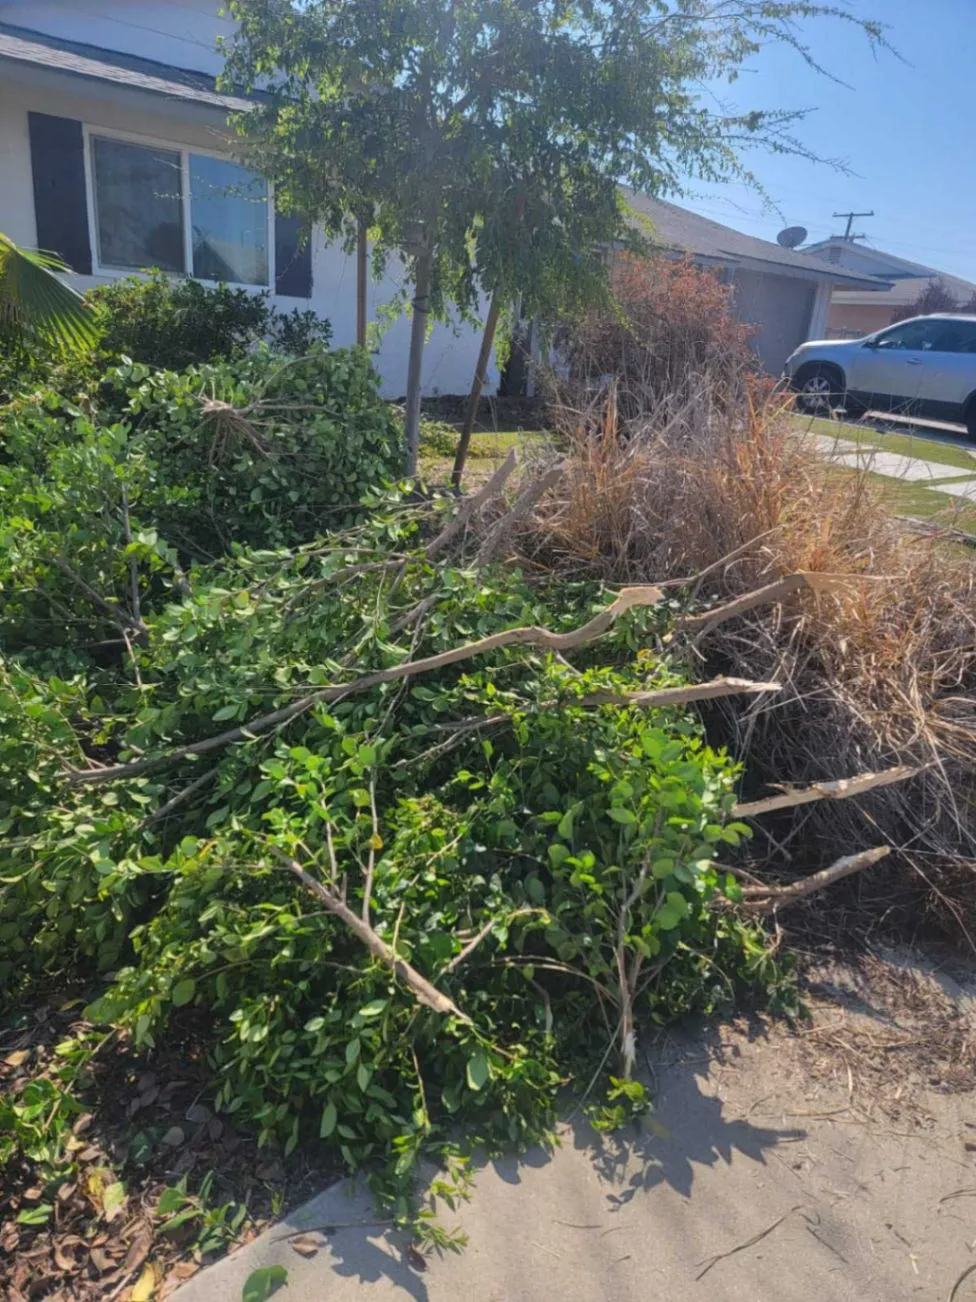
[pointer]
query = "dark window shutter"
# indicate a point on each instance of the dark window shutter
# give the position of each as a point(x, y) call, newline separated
point(293, 257)
point(60, 201)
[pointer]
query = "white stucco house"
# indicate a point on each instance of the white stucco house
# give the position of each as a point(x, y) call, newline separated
point(115, 153)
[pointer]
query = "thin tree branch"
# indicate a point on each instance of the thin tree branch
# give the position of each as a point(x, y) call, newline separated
point(679, 695)
point(471, 504)
point(530, 635)
point(485, 931)
point(523, 504)
point(776, 897)
point(840, 789)
point(373, 840)
point(181, 797)
point(423, 991)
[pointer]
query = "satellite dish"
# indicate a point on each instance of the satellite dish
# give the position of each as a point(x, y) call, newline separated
point(792, 236)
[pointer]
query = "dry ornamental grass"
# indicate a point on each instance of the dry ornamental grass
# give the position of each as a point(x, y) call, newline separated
point(875, 644)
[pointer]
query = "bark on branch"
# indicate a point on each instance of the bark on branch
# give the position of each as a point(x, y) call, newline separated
point(679, 695)
point(709, 619)
point(841, 789)
point(530, 635)
point(765, 899)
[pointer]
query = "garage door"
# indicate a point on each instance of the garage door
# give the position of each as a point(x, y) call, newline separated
point(780, 308)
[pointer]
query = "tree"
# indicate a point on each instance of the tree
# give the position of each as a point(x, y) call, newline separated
point(34, 303)
point(413, 110)
point(934, 296)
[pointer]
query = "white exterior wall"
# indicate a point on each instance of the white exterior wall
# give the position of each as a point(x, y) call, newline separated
point(450, 356)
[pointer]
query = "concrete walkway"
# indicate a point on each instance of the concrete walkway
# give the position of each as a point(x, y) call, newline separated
point(781, 1174)
point(931, 474)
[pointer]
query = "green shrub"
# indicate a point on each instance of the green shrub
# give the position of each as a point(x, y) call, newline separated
point(275, 450)
point(437, 438)
point(166, 322)
point(173, 468)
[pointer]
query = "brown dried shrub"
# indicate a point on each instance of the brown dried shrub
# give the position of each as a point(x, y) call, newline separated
point(879, 670)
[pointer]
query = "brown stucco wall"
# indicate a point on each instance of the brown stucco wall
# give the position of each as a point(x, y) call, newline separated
point(849, 321)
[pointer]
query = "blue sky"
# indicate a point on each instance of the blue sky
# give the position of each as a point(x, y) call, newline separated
point(906, 128)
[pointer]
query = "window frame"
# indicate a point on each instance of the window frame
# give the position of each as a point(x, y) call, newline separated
point(184, 151)
point(882, 336)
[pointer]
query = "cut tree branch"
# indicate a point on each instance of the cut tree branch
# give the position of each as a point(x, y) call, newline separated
point(521, 507)
point(709, 619)
point(765, 899)
point(423, 991)
point(840, 789)
point(530, 635)
point(679, 695)
point(471, 504)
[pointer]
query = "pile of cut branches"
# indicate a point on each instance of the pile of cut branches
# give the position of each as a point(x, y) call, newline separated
point(406, 841)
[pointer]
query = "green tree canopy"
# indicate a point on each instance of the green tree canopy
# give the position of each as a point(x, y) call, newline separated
point(486, 140)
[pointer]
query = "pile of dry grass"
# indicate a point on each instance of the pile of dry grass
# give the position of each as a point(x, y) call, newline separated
point(878, 655)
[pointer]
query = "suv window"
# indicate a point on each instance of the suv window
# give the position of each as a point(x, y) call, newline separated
point(957, 337)
point(916, 336)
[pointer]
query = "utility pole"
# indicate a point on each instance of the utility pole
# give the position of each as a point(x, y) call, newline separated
point(848, 237)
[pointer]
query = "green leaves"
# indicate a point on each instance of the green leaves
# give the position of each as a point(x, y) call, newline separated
point(260, 1284)
point(501, 877)
point(477, 1071)
point(183, 992)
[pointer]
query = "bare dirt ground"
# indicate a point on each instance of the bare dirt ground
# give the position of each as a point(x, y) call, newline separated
point(832, 1162)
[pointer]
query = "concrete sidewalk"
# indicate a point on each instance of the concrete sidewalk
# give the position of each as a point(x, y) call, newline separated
point(930, 474)
point(777, 1179)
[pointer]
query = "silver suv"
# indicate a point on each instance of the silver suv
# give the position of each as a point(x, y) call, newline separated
point(925, 367)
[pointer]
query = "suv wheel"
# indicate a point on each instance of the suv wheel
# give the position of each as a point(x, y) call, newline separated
point(819, 392)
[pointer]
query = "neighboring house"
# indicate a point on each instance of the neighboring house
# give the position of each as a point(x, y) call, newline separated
point(854, 313)
point(785, 294)
point(115, 153)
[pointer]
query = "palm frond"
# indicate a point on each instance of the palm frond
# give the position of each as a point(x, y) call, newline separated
point(35, 303)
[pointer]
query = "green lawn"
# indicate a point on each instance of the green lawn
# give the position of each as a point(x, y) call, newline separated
point(905, 445)
point(486, 451)
point(907, 497)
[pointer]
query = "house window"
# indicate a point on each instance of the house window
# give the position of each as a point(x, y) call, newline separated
point(180, 211)
point(229, 220)
point(138, 206)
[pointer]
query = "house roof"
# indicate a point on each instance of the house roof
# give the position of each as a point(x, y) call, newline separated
point(909, 278)
point(678, 228)
point(21, 45)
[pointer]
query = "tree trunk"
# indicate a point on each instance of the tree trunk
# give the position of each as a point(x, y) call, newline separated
point(418, 333)
point(478, 383)
point(362, 264)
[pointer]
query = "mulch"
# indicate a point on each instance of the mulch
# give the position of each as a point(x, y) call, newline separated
point(147, 1124)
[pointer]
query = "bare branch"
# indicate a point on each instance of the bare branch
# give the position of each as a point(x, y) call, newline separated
point(471, 504)
point(709, 619)
point(181, 797)
point(530, 635)
point(777, 897)
point(840, 789)
point(373, 844)
point(523, 504)
point(485, 931)
point(679, 695)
